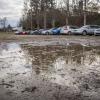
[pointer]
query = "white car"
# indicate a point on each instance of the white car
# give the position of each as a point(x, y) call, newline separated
point(18, 33)
point(68, 29)
point(97, 32)
point(87, 30)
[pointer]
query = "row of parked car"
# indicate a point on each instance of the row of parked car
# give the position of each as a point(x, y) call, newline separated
point(65, 30)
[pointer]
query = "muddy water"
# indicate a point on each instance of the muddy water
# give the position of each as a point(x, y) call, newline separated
point(53, 71)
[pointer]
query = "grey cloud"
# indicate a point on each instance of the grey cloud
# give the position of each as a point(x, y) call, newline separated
point(11, 9)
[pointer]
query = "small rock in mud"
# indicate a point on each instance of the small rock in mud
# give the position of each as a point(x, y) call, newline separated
point(20, 51)
point(62, 75)
point(74, 70)
point(10, 93)
point(27, 66)
point(30, 89)
point(11, 82)
point(86, 86)
point(24, 73)
point(17, 74)
point(3, 80)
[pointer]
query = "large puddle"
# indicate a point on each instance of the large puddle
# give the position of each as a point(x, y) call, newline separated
point(49, 72)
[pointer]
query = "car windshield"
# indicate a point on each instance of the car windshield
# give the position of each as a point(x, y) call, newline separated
point(85, 27)
point(95, 26)
point(54, 28)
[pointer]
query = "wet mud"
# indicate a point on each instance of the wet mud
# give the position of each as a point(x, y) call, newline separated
point(50, 70)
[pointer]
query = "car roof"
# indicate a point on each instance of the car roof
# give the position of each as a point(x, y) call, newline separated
point(91, 25)
point(70, 26)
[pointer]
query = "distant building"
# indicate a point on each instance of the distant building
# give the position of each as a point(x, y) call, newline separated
point(17, 29)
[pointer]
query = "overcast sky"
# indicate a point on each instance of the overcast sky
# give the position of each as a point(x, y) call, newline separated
point(12, 9)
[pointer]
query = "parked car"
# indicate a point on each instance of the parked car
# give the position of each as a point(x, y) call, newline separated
point(56, 31)
point(28, 32)
point(97, 32)
point(44, 31)
point(50, 31)
point(87, 30)
point(20, 33)
point(17, 33)
point(68, 30)
point(32, 33)
point(37, 32)
point(24, 33)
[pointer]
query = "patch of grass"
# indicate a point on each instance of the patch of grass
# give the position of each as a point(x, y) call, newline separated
point(10, 36)
point(5, 35)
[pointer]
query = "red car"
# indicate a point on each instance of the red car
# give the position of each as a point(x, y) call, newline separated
point(24, 33)
point(21, 33)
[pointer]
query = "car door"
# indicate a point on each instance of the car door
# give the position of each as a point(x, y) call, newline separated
point(91, 29)
point(73, 28)
point(96, 27)
point(65, 29)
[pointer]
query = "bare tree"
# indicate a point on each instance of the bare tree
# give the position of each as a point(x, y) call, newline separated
point(35, 10)
point(90, 6)
point(52, 8)
point(66, 2)
point(85, 7)
point(46, 13)
point(24, 22)
point(3, 23)
point(44, 5)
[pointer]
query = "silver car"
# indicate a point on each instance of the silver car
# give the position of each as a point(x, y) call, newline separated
point(97, 32)
point(87, 29)
point(44, 32)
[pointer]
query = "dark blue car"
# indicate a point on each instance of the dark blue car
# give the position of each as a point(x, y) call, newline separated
point(56, 31)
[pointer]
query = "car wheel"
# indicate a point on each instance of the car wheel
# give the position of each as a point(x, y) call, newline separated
point(47, 33)
point(84, 33)
point(69, 33)
point(94, 34)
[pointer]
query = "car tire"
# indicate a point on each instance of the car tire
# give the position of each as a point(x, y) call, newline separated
point(84, 33)
point(69, 33)
point(47, 33)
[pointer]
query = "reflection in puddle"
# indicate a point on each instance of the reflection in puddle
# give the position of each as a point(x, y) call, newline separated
point(75, 66)
point(12, 59)
point(62, 64)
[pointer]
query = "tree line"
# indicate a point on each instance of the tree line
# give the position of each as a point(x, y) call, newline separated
point(4, 26)
point(54, 13)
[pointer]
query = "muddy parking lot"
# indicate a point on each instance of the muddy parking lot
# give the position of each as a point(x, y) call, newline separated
point(50, 69)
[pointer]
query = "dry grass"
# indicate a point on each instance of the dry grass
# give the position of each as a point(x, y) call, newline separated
point(5, 35)
point(10, 36)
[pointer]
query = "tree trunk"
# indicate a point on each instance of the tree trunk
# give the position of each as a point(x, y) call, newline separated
point(37, 21)
point(38, 26)
point(85, 12)
point(85, 18)
point(31, 20)
point(53, 22)
point(45, 20)
point(66, 20)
